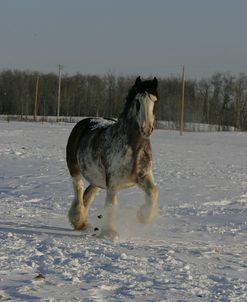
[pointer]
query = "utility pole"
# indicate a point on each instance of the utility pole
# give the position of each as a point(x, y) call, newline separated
point(60, 67)
point(36, 99)
point(182, 105)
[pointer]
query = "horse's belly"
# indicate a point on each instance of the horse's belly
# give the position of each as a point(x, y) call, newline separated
point(119, 179)
point(122, 183)
point(96, 177)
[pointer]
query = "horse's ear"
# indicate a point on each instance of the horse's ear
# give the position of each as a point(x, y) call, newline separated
point(155, 83)
point(138, 81)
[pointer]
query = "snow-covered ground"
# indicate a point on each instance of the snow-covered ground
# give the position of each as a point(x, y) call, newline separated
point(195, 251)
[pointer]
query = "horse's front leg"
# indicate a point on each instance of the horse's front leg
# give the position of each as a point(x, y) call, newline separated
point(149, 211)
point(109, 217)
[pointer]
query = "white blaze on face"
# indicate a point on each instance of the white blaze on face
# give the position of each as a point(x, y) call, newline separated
point(145, 116)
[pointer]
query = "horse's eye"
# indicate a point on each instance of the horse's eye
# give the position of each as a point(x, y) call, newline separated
point(138, 105)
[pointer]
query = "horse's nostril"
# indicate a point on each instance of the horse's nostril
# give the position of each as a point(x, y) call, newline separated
point(147, 131)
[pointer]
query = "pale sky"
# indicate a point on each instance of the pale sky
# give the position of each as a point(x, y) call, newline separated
point(127, 37)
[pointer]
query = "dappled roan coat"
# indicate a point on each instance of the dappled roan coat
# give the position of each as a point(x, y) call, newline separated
point(114, 155)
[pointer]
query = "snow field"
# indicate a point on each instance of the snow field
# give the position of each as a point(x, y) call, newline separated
point(195, 251)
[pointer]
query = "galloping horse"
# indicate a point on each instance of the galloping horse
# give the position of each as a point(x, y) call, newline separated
point(114, 155)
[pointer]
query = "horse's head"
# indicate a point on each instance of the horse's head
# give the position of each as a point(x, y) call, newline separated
point(143, 105)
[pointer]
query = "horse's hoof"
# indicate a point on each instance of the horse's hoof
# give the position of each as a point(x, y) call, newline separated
point(146, 215)
point(142, 219)
point(81, 227)
point(109, 234)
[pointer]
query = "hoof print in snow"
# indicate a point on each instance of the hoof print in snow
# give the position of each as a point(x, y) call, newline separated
point(96, 231)
point(5, 298)
point(39, 277)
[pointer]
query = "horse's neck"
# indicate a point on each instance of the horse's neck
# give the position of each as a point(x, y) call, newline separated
point(129, 129)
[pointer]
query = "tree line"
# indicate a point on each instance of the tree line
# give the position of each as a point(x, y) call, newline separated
point(220, 99)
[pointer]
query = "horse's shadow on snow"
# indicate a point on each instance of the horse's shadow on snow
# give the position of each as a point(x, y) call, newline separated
point(21, 228)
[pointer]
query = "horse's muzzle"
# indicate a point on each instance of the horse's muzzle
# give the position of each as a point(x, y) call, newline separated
point(147, 131)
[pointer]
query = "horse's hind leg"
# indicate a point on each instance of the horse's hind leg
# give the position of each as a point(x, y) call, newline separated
point(88, 196)
point(148, 212)
point(77, 212)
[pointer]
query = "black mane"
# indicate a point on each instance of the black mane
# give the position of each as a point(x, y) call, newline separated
point(149, 86)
